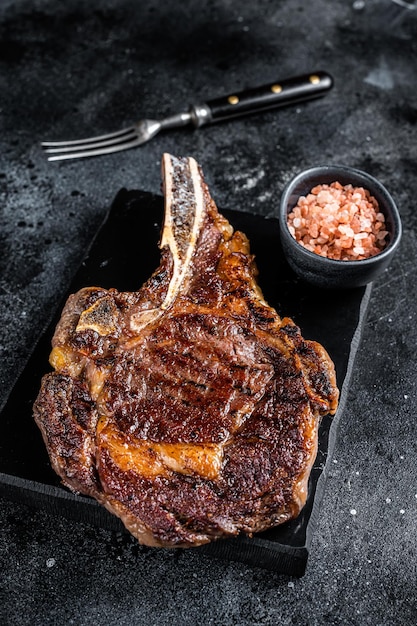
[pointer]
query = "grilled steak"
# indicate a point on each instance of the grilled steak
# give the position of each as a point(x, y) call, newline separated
point(189, 408)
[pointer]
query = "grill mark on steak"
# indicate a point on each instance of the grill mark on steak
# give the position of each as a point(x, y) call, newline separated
point(189, 408)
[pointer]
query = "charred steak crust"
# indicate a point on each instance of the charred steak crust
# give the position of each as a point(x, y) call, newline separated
point(189, 408)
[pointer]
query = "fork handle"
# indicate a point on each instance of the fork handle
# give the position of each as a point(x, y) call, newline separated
point(280, 93)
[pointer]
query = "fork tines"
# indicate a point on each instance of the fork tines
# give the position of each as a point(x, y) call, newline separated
point(92, 146)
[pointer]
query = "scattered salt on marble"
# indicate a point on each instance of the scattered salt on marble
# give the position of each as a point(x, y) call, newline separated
point(50, 562)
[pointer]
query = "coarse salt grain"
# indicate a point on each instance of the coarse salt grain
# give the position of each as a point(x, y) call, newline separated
point(339, 222)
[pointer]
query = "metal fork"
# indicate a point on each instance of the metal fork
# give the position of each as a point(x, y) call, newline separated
point(281, 93)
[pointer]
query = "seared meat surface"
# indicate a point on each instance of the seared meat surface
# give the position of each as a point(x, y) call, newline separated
point(189, 408)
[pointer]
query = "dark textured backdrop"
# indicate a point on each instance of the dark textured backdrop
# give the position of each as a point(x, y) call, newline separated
point(69, 69)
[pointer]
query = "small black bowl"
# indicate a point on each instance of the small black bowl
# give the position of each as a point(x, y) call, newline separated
point(330, 273)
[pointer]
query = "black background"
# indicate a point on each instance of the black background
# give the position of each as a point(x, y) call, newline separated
point(70, 69)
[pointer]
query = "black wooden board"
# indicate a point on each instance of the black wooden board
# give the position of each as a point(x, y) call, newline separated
point(123, 255)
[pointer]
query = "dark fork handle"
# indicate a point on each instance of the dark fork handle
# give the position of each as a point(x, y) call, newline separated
point(280, 93)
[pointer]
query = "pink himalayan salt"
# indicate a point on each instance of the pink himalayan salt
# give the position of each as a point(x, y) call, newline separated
point(339, 222)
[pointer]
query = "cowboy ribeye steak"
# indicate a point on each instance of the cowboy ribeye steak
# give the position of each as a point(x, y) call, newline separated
point(189, 408)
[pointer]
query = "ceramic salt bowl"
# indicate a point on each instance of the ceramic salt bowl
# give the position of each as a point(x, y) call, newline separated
point(329, 273)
